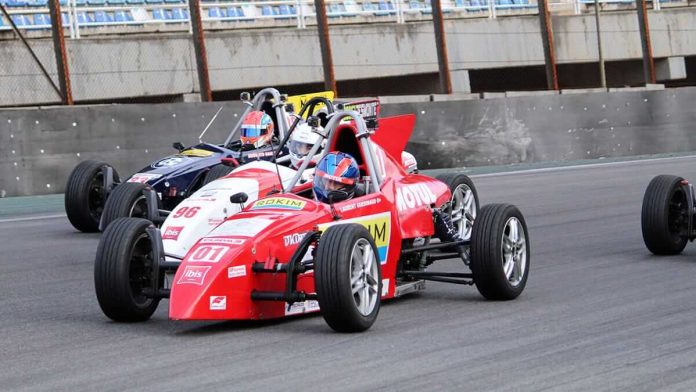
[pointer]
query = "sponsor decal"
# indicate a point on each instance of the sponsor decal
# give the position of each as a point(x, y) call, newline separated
point(222, 240)
point(302, 307)
point(385, 287)
point(194, 274)
point(172, 232)
point(218, 302)
point(369, 109)
point(279, 202)
point(207, 254)
point(259, 154)
point(360, 204)
point(414, 195)
point(171, 161)
point(247, 227)
point(293, 239)
point(236, 271)
point(197, 152)
point(379, 226)
point(215, 221)
point(143, 178)
point(298, 101)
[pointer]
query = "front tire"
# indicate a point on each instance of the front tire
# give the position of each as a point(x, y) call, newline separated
point(123, 270)
point(85, 195)
point(126, 200)
point(348, 278)
point(500, 256)
point(216, 172)
point(665, 215)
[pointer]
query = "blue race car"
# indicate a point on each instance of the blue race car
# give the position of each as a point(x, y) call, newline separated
point(95, 196)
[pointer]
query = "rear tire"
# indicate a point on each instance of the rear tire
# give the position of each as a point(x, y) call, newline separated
point(464, 204)
point(123, 269)
point(126, 200)
point(216, 172)
point(665, 215)
point(500, 256)
point(85, 196)
point(348, 278)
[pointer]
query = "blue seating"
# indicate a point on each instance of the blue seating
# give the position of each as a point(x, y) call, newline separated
point(65, 18)
point(38, 3)
point(173, 1)
point(16, 3)
point(42, 20)
point(116, 2)
point(21, 20)
point(214, 12)
point(178, 14)
point(99, 3)
point(285, 9)
point(266, 10)
point(137, 2)
point(103, 17)
point(154, 1)
point(158, 14)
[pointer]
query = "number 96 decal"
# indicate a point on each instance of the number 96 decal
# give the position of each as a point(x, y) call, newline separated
point(186, 212)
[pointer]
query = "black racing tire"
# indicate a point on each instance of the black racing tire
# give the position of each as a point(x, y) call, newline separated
point(85, 196)
point(333, 272)
point(491, 252)
point(126, 200)
point(460, 184)
point(215, 172)
point(664, 218)
point(123, 269)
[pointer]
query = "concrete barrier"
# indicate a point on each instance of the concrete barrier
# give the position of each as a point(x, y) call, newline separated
point(40, 146)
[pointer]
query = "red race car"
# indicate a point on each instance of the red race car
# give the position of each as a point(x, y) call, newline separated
point(288, 253)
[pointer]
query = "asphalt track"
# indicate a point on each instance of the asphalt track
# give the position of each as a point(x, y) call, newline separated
point(599, 312)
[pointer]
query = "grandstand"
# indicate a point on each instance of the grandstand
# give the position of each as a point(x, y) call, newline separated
point(141, 50)
point(97, 16)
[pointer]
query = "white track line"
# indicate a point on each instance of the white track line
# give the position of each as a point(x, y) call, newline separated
point(582, 166)
point(32, 218)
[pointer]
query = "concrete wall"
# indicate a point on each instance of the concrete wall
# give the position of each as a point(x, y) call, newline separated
point(164, 64)
point(39, 147)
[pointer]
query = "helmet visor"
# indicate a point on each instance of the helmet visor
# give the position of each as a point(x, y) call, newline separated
point(252, 131)
point(299, 149)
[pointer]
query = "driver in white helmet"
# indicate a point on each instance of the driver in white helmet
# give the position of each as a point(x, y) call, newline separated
point(302, 139)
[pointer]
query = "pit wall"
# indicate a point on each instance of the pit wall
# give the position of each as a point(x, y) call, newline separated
point(40, 146)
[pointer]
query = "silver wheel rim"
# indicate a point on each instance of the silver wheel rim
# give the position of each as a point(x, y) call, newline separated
point(364, 277)
point(135, 206)
point(514, 251)
point(463, 210)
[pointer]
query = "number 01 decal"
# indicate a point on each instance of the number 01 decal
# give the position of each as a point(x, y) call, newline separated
point(208, 254)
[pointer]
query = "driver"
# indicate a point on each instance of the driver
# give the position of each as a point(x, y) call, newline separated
point(303, 138)
point(257, 129)
point(336, 172)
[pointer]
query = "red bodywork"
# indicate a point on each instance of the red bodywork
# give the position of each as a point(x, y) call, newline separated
point(215, 280)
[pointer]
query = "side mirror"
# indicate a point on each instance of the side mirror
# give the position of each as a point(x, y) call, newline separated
point(178, 146)
point(229, 161)
point(313, 121)
point(372, 123)
point(239, 198)
point(245, 96)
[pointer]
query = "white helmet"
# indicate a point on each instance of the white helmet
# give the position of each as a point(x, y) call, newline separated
point(409, 163)
point(302, 140)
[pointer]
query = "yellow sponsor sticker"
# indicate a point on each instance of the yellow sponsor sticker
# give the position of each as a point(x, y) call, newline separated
point(379, 226)
point(299, 100)
point(196, 152)
point(279, 203)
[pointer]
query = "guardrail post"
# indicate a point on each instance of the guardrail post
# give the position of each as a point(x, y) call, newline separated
point(441, 45)
point(325, 46)
point(648, 63)
point(199, 46)
point(547, 42)
point(59, 50)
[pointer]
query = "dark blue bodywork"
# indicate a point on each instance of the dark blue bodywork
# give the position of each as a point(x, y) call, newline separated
point(182, 174)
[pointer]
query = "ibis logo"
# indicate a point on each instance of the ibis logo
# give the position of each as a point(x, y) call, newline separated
point(194, 274)
point(414, 195)
point(172, 232)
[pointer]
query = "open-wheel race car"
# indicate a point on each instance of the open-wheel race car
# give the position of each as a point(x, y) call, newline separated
point(289, 253)
point(95, 195)
point(668, 213)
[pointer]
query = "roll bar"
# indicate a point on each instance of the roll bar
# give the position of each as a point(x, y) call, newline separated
point(256, 104)
point(363, 136)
